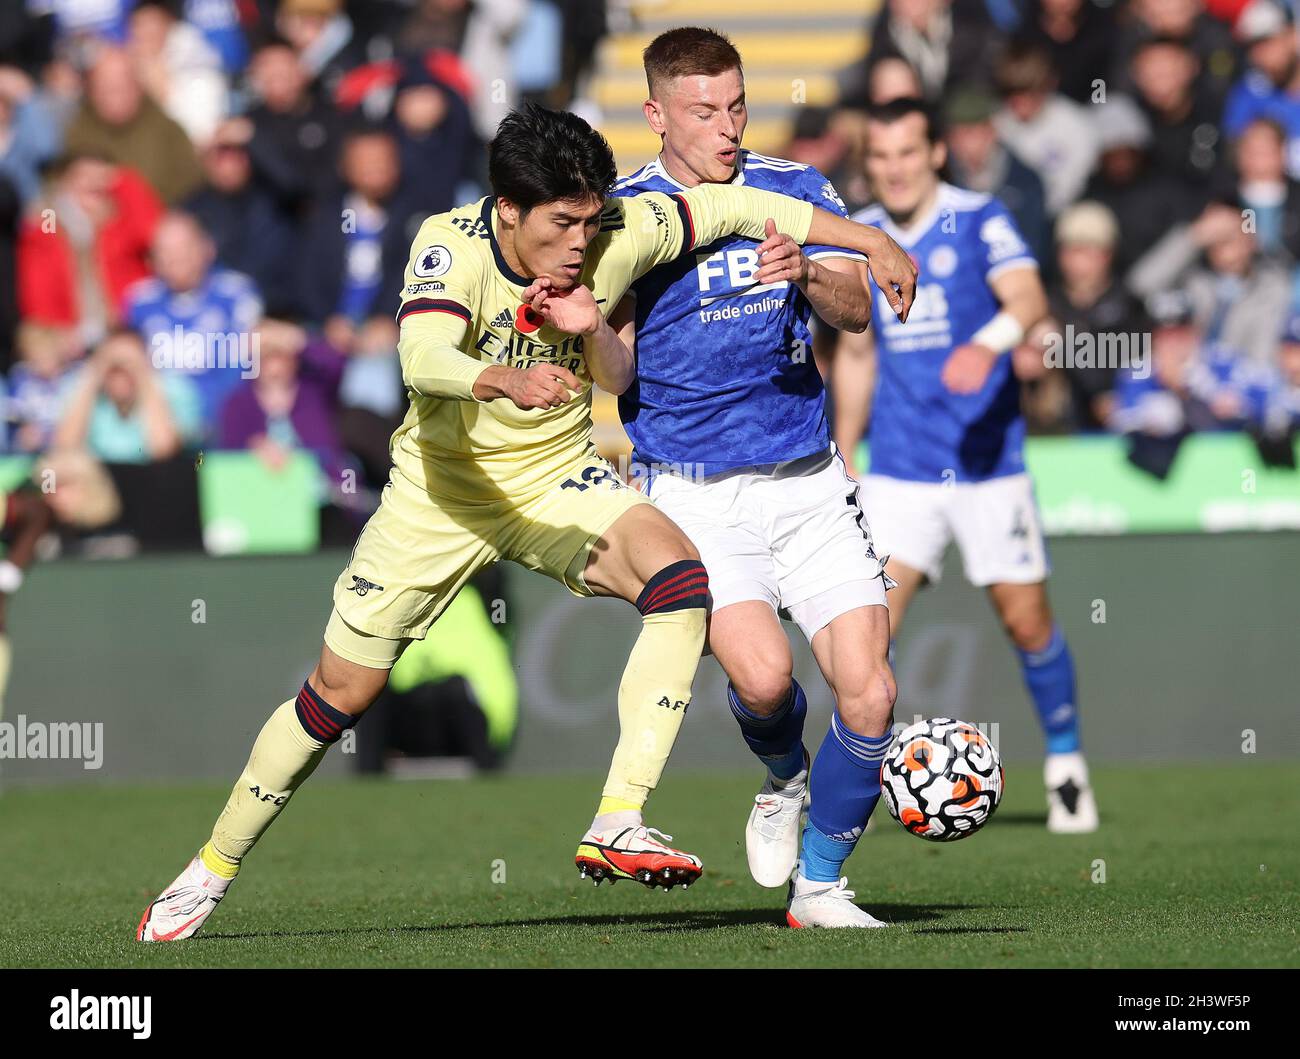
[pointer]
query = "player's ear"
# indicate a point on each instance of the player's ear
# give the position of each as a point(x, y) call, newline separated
point(507, 211)
point(653, 116)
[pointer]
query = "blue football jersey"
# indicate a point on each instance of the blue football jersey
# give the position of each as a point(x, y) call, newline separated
point(222, 311)
point(725, 371)
point(920, 430)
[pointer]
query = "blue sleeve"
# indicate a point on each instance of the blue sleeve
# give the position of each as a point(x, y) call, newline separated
point(815, 188)
point(1000, 240)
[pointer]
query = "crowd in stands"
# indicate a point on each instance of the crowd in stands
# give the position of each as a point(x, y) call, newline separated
point(1150, 152)
point(206, 207)
point(188, 184)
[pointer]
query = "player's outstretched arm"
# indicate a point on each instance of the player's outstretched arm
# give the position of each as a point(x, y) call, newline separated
point(893, 270)
point(715, 210)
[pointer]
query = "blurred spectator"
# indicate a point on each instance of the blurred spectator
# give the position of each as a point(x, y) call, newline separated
point(947, 42)
point(86, 498)
point(436, 140)
point(1051, 134)
point(1044, 394)
point(480, 33)
point(122, 411)
point(178, 68)
point(1262, 186)
point(253, 230)
point(356, 245)
point(892, 77)
point(1274, 409)
point(977, 160)
point(1146, 201)
point(78, 256)
point(77, 21)
point(10, 220)
point(1151, 406)
point(295, 133)
point(1208, 38)
point(26, 37)
point(1087, 299)
point(321, 35)
point(118, 121)
point(372, 398)
point(29, 132)
point(1078, 37)
point(291, 404)
point(40, 384)
point(1185, 131)
point(218, 21)
point(197, 320)
point(1270, 88)
point(1238, 298)
point(584, 25)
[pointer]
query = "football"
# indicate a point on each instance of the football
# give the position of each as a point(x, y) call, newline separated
point(942, 780)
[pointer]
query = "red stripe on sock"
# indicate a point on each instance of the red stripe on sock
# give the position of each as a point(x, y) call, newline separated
point(684, 594)
point(696, 580)
point(318, 716)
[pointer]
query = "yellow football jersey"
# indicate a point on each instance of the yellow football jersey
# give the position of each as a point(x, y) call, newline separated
point(462, 312)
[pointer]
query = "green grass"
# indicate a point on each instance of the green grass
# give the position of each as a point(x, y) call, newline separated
point(1201, 869)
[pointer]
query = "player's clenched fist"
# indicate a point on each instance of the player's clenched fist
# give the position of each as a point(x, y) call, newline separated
point(541, 386)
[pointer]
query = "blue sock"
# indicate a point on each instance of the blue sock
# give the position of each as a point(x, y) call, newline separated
point(845, 786)
point(1049, 676)
point(776, 739)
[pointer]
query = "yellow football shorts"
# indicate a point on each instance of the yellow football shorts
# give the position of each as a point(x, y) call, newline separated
point(419, 549)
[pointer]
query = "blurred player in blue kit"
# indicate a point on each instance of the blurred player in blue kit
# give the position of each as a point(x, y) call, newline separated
point(946, 432)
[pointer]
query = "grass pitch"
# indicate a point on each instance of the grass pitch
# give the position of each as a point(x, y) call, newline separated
point(1200, 867)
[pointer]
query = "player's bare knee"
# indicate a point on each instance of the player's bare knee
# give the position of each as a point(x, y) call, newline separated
point(351, 689)
point(1029, 627)
point(761, 687)
point(867, 704)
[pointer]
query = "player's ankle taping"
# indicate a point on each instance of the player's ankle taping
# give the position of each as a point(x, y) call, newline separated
point(680, 586)
point(318, 718)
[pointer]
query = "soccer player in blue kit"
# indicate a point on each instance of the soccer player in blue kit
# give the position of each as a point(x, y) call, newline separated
point(727, 416)
point(946, 431)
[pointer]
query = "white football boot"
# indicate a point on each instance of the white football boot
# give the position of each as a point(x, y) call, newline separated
point(184, 906)
point(1071, 808)
point(775, 824)
point(823, 904)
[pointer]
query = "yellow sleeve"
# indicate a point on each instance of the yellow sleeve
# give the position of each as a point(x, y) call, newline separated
point(665, 226)
point(439, 296)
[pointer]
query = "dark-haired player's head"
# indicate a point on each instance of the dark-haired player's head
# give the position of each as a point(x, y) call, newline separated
point(550, 173)
point(905, 153)
point(697, 102)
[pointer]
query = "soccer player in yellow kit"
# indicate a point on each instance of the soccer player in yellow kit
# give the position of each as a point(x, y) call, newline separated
point(494, 461)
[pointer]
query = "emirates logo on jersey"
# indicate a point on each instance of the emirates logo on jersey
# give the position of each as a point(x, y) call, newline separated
point(527, 320)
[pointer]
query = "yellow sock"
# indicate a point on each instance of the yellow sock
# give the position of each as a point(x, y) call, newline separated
point(616, 805)
point(282, 758)
point(652, 700)
point(216, 863)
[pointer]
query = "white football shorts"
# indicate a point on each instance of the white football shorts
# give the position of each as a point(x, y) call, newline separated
point(791, 535)
point(995, 523)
